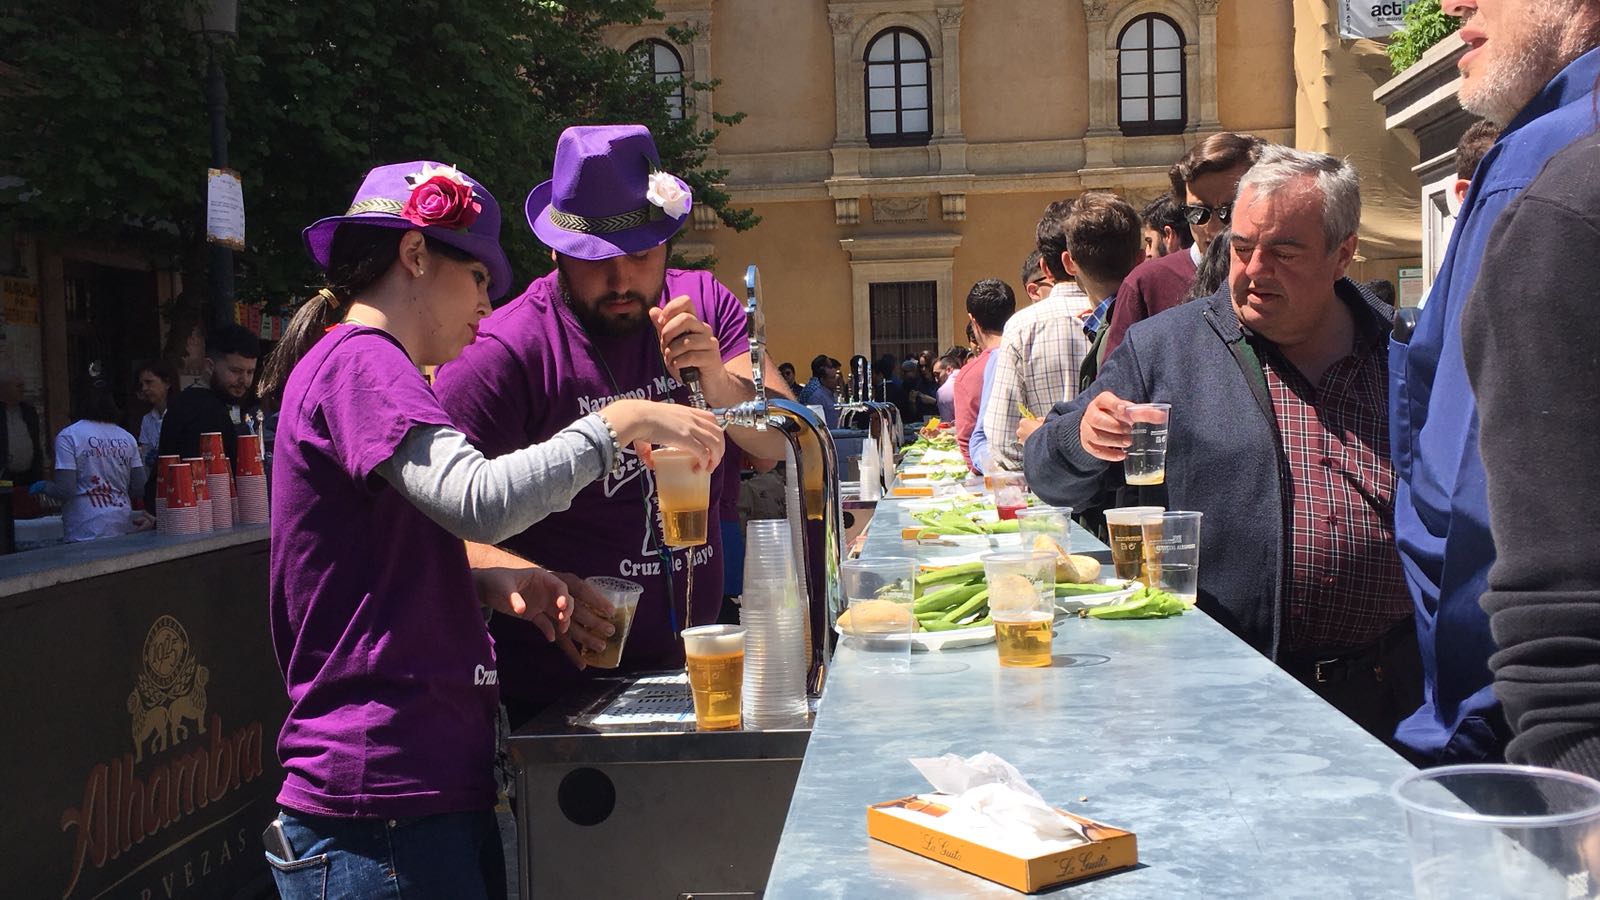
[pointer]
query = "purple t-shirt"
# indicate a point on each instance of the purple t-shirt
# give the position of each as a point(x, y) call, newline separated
point(376, 625)
point(534, 370)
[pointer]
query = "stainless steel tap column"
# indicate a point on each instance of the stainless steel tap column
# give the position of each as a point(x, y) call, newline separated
point(818, 524)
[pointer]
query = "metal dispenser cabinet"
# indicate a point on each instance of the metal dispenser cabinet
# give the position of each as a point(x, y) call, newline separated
point(663, 810)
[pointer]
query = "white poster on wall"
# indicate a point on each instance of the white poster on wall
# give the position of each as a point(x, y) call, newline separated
point(1371, 18)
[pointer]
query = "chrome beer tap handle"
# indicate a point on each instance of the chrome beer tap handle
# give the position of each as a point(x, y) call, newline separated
point(753, 413)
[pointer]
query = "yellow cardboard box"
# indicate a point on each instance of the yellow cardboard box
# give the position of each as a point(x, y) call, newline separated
point(913, 824)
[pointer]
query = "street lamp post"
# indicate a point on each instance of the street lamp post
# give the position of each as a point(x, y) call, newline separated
point(218, 21)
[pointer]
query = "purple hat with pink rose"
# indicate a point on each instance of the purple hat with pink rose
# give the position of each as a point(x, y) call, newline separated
point(440, 201)
point(607, 196)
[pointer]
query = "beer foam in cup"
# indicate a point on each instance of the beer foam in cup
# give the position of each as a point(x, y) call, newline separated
point(1131, 515)
point(620, 591)
point(713, 640)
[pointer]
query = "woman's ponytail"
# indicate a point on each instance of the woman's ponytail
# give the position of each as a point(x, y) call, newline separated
point(358, 257)
point(309, 323)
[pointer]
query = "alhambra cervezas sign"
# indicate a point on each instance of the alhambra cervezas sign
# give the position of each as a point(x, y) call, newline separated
point(175, 784)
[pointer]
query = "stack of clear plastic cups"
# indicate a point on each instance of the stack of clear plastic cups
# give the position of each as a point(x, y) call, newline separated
point(774, 615)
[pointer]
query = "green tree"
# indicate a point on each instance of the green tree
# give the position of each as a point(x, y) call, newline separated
point(107, 134)
point(1425, 25)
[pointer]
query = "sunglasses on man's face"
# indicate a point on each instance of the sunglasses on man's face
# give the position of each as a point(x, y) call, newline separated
point(1200, 215)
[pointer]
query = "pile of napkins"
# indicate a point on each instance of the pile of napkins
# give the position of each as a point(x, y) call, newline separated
point(988, 797)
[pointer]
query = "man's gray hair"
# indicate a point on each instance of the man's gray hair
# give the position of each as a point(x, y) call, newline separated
point(1335, 178)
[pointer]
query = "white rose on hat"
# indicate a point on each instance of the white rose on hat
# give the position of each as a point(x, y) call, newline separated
point(665, 192)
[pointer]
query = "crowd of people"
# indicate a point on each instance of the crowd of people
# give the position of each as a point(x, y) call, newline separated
point(1363, 470)
point(102, 474)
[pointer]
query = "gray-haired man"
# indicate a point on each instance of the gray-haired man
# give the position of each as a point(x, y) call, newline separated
point(1279, 435)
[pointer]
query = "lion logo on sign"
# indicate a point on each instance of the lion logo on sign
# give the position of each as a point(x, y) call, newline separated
point(170, 689)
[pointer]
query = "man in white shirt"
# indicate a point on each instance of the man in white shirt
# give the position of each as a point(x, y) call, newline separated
point(1045, 344)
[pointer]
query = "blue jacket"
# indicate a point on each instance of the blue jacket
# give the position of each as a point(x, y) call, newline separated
point(1441, 508)
point(1223, 451)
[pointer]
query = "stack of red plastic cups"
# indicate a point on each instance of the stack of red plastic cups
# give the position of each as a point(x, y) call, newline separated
point(219, 475)
point(182, 512)
point(251, 481)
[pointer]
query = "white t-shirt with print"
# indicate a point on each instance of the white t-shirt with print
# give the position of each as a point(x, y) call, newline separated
point(104, 457)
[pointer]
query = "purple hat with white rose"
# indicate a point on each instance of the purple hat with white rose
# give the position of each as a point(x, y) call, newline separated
point(439, 200)
point(607, 196)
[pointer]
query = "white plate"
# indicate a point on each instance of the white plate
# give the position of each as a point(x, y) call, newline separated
point(928, 504)
point(945, 640)
point(1072, 604)
point(935, 641)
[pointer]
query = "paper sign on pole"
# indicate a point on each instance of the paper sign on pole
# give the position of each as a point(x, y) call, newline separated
point(224, 208)
point(1371, 18)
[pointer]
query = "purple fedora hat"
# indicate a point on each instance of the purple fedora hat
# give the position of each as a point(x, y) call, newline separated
point(442, 202)
point(607, 196)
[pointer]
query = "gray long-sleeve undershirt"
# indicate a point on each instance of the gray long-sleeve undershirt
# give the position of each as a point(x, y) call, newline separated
point(489, 500)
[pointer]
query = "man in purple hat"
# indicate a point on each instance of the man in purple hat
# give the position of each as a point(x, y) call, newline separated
point(612, 321)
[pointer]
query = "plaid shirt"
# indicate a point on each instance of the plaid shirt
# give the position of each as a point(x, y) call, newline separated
point(1037, 365)
point(1343, 584)
point(1091, 325)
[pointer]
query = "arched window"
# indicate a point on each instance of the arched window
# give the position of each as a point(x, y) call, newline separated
point(1150, 77)
point(662, 61)
point(899, 99)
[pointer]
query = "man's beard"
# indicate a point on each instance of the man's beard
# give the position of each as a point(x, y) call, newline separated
point(1515, 80)
point(598, 323)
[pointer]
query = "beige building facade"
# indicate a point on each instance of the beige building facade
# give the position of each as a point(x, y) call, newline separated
point(898, 151)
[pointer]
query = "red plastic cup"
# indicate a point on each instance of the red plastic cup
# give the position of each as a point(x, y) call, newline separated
point(218, 465)
point(211, 445)
point(251, 461)
point(180, 487)
point(197, 473)
point(162, 462)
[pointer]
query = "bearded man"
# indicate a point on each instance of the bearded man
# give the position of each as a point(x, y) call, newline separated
point(1532, 69)
point(611, 322)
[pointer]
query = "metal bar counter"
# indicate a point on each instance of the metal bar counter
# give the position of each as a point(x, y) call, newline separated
point(1238, 781)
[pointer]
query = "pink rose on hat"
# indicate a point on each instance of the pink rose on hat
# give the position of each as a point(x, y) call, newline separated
point(665, 191)
point(441, 197)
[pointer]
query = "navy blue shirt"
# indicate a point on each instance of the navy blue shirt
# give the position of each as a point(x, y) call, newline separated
point(1441, 507)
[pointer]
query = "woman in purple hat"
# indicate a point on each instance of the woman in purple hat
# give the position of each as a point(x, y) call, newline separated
point(389, 745)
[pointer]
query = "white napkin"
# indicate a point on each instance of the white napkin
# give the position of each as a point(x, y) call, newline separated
point(988, 793)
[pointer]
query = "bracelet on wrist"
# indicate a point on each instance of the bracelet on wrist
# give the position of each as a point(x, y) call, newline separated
point(616, 444)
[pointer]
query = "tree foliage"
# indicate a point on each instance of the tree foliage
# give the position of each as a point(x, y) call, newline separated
point(1425, 25)
point(106, 133)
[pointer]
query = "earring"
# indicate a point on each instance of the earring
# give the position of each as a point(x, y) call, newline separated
point(419, 271)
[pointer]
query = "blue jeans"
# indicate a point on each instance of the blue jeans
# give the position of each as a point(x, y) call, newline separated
point(453, 855)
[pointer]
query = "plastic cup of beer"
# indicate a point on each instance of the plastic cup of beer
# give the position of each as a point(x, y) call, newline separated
point(1125, 534)
point(1172, 553)
point(1500, 831)
point(880, 620)
point(684, 495)
point(1046, 528)
point(714, 656)
point(1010, 492)
point(1147, 455)
point(1022, 602)
point(624, 597)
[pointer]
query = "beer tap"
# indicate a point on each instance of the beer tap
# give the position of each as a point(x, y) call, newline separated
point(691, 379)
point(816, 525)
